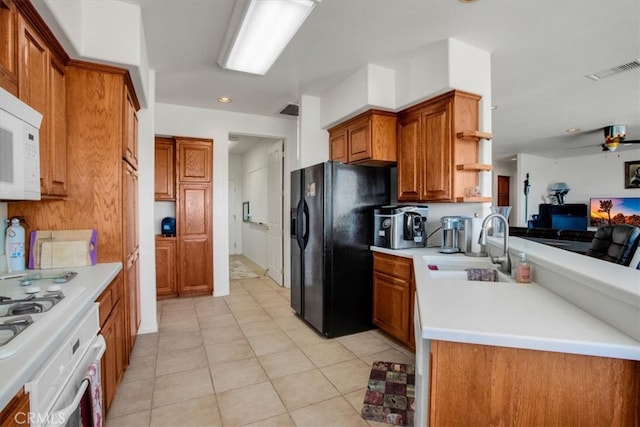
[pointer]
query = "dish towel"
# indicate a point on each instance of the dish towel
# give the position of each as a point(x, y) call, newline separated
point(92, 400)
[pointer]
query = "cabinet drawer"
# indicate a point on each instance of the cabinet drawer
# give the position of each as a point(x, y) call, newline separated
point(399, 267)
point(109, 298)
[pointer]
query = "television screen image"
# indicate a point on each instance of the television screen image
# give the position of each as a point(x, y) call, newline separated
point(614, 210)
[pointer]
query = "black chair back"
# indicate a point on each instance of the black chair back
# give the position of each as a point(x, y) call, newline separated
point(615, 243)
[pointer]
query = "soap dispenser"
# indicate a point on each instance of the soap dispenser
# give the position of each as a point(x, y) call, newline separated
point(523, 270)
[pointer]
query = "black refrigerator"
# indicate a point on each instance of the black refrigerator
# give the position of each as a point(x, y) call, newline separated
point(331, 231)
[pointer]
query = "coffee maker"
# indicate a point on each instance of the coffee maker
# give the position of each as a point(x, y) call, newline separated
point(400, 227)
point(456, 234)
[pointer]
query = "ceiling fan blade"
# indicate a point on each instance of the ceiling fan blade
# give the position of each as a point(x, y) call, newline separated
point(583, 146)
point(632, 141)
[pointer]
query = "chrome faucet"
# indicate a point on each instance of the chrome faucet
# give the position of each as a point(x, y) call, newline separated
point(503, 260)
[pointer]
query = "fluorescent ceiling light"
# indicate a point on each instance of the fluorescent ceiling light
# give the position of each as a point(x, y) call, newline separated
point(258, 32)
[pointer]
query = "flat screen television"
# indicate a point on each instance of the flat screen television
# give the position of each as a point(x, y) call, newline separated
point(614, 210)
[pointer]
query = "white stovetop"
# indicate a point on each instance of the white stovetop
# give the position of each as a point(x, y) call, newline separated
point(514, 315)
point(40, 339)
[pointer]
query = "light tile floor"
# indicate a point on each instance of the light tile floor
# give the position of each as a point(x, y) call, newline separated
point(246, 360)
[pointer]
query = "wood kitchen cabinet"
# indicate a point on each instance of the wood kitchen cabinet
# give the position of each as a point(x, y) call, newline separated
point(103, 188)
point(130, 128)
point(166, 258)
point(16, 413)
point(473, 384)
point(367, 139)
point(438, 149)
point(9, 46)
point(42, 85)
point(165, 172)
point(194, 160)
point(393, 296)
point(112, 329)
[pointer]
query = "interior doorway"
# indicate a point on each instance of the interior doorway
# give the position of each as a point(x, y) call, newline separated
point(256, 164)
point(503, 190)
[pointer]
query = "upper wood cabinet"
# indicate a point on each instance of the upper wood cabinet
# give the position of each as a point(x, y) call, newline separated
point(165, 172)
point(367, 139)
point(195, 160)
point(438, 149)
point(9, 46)
point(130, 127)
point(42, 85)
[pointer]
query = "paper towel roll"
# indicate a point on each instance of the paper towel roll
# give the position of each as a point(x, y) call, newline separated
point(476, 226)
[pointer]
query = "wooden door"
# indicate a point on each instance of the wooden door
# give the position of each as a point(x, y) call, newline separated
point(195, 160)
point(359, 140)
point(391, 305)
point(130, 128)
point(338, 146)
point(409, 159)
point(435, 140)
point(503, 190)
point(56, 179)
point(194, 239)
point(165, 173)
point(166, 258)
point(8, 46)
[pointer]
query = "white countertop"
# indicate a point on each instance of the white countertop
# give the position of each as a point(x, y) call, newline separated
point(515, 315)
point(17, 369)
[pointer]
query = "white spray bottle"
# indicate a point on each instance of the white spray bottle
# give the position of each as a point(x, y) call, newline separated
point(14, 246)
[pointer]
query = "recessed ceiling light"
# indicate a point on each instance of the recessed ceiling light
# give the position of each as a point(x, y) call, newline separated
point(467, 1)
point(514, 158)
point(573, 130)
point(224, 100)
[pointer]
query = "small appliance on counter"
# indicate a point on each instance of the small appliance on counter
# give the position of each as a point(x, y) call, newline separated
point(400, 227)
point(169, 227)
point(460, 235)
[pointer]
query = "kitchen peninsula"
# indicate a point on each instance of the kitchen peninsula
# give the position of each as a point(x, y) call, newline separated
point(564, 349)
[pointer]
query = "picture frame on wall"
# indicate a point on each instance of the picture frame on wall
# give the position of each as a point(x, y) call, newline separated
point(632, 174)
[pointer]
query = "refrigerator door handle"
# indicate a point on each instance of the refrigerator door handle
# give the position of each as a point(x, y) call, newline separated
point(305, 236)
point(298, 224)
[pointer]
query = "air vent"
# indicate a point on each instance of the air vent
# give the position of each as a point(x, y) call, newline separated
point(614, 70)
point(290, 110)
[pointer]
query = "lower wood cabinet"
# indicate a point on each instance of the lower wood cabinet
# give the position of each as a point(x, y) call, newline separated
point(112, 328)
point(486, 385)
point(16, 413)
point(393, 296)
point(166, 257)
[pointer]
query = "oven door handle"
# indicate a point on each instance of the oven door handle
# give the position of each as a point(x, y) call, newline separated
point(98, 348)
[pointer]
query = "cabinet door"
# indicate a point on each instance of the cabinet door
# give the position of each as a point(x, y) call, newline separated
point(165, 174)
point(436, 146)
point(391, 305)
point(338, 146)
point(194, 239)
point(409, 159)
point(8, 46)
point(166, 267)
point(195, 160)
point(33, 69)
point(132, 286)
point(359, 140)
point(130, 120)
point(112, 361)
point(130, 208)
point(16, 412)
point(56, 179)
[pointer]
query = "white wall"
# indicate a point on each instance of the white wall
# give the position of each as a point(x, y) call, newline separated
point(235, 174)
point(314, 146)
point(254, 236)
point(596, 175)
point(203, 123)
point(147, 230)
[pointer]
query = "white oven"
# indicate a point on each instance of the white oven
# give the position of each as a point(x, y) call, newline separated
point(66, 391)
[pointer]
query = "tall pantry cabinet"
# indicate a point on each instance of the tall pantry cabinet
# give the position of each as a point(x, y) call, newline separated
point(102, 189)
point(184, 175)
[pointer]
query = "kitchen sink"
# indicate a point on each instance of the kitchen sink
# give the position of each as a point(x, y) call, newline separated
point(443, 269)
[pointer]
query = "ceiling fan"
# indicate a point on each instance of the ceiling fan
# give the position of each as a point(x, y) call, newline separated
point(614, 136)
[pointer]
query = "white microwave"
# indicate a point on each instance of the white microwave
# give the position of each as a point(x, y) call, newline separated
point(19, 149)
